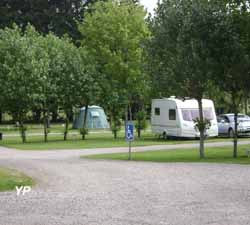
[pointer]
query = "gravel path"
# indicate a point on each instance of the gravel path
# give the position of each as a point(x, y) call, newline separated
point(73, 191)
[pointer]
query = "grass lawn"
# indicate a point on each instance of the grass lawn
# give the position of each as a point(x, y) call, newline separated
point(93, 140)
point(105, 139)
point(9, 179)
point(213, 155)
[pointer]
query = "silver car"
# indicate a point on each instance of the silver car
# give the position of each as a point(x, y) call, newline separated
point(226, 125)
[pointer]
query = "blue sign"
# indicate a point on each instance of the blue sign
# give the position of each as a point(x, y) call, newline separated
point(130, 132)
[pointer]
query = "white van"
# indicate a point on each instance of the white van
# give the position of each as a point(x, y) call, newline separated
point(173, 117)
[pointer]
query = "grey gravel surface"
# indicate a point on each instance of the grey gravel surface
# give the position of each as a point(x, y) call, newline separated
point(73, 191)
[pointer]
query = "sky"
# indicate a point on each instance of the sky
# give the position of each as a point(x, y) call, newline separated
point(149, 4)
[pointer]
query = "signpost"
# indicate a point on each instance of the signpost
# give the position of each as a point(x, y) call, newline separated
point(129, 135)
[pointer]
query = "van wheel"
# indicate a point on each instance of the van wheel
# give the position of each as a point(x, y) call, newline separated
point(165, 136)
point(231, 133)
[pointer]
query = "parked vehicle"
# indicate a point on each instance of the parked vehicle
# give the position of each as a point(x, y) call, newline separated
point(173, 117)
point(226, 125)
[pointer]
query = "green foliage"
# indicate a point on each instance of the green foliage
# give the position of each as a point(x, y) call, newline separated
point(42, 72)
point(181, 45)
point(70, 79)
point(187, 39)
point(114, 35)
point(76, 83)
point(196, 47)
point(54, 16)
point(23, 65)
point(232, 38)
point(203, 125)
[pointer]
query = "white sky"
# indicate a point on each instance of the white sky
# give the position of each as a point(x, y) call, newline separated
point(149, 5)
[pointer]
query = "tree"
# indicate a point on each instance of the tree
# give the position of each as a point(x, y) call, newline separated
point(70, 80)
point(46, 16)
point(23, 64)
point(233, 57)
point(114, 35)
point(181, 49)
point(76, 85)
point(49, 100)
point(43, 73)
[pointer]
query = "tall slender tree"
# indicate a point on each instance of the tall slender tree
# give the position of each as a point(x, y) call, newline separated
point(23, 65)
point(232, 54)
point(114, 35)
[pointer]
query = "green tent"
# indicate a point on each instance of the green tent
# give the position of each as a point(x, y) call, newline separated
point(96, 118)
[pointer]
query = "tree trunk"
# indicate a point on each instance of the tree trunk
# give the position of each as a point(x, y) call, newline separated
point(45, 126)
point(139, 130)
point(54, 115)
point(130, 113)
point(1, 116)
point(126, 114)
point(201, 130)
point(22, 131)
point(110, 118)
point(235, 153)
point(126, 118)
point(246, 105)
point(66, 128)
point(115, 134)
point(85, 119)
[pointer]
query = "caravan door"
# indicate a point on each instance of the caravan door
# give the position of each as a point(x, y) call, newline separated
point(172, 124)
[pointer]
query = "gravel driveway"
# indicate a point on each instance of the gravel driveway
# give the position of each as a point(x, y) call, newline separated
point(73, 191)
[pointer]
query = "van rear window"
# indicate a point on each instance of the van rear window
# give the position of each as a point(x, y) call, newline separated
point(157, 111)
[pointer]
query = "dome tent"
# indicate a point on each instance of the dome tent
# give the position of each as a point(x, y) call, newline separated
point(96, 118)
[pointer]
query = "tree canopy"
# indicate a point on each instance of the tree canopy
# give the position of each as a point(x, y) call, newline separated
point(23, 67)
point(46, 16)
point(200, 45)
point(114, 35)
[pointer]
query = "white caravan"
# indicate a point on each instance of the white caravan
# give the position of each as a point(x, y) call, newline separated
point(173, 117)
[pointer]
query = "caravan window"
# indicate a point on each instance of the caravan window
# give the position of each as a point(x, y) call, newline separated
point(208, 114)
point(157, 111)
point(172, 114)
point(94, 114)
point(192, 114)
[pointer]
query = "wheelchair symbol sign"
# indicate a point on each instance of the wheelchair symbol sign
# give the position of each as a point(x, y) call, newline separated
point(130, 132)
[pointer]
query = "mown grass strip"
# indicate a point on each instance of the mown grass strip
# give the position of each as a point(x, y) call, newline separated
point(213, 155)
point(9, 179)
